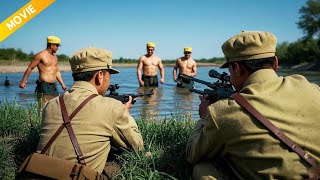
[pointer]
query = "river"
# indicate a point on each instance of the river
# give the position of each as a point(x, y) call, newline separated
point(167, 101)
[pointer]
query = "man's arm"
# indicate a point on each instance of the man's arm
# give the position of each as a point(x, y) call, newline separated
point(194, 69)
point(36, 60)
point(59, 78)
point(125, 130)
point(160, 65)
point(204, 138)
point(139, 68)
point(175, 71)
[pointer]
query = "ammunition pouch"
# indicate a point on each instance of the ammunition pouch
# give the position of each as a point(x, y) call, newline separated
point(41, 166)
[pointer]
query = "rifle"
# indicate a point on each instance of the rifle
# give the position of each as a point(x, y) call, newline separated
point(219, 90)
point(125, 97)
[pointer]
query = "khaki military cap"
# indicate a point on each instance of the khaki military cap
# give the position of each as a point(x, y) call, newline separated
point(90, 59)
point(249, 45)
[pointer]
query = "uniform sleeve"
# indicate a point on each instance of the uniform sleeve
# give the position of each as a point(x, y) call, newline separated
point(125, 131)
point(204, 140)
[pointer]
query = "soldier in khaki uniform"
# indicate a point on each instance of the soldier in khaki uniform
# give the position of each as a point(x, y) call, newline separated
point(228, 140)
point(101, 121)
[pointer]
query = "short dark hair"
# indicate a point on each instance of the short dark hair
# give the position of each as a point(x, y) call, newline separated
point(86, 76)
point(256, 64)
point(49, 44)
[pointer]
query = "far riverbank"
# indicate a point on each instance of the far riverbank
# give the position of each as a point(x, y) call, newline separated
point(20, 67)
point(65, 66)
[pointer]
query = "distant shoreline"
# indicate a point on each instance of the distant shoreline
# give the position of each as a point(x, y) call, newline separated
point(20, 67)
point(65, 67)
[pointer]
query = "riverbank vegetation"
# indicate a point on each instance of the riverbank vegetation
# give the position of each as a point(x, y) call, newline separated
point(163, 157)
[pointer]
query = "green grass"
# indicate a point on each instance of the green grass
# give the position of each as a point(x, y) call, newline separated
point(7, 163)
point(164, 139)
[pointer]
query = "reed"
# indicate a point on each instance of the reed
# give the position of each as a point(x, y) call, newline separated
point(163, 156)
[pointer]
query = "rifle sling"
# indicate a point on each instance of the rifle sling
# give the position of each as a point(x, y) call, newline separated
point(67, 124)
point(276, 131)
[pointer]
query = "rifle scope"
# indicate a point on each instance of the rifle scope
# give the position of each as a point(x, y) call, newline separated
point(113, 88)
point(224, 77)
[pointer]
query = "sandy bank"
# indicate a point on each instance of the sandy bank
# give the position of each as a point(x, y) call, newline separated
point(65, 67)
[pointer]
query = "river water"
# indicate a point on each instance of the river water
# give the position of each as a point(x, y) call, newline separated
point(167, 101)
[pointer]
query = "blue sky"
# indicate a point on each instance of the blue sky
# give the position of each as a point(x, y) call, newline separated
point(124, 26)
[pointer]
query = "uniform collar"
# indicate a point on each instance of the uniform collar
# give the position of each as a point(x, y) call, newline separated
point(259, 76)
point(84, 85)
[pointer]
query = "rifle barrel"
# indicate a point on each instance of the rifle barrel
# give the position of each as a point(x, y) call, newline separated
point(197, 91)
point(196, 80)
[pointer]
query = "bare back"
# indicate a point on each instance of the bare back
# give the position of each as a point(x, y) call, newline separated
point(150, 65)
point(47, 66)
point(186, 66)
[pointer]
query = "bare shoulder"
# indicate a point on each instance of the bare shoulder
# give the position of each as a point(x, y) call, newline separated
point(40, 55)
point(157, 58)
point(179, 60)
point(193, 61)
point(142, 58)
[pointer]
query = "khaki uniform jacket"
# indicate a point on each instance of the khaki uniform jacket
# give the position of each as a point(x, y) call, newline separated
point(101, 121)
point(229, 132)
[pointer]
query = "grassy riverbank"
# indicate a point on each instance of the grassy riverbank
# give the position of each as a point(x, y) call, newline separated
point(165, 139)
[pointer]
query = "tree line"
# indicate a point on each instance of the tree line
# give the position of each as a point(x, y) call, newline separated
point(17, 55)
point(305, 49)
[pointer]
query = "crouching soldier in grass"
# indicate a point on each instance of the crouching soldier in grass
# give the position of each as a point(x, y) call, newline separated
point(100, 124)
point(230, 141)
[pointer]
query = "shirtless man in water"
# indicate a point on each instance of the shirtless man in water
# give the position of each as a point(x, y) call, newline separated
point(150, 63)
point(187, 66)
point(47, 63)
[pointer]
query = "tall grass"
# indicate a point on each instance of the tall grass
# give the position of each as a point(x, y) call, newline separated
point(19, 135)
point(165, 143)
point(162, 158)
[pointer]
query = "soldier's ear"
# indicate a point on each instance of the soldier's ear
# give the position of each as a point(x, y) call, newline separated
point(98, 78)
point(237, 69)
point(276, 63)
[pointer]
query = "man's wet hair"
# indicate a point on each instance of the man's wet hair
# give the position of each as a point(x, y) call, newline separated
point(256, 64)
point(86, 76)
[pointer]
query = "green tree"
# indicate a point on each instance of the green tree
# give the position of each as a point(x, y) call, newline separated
point(63, 57)
point(282, 52)
point(309, 20)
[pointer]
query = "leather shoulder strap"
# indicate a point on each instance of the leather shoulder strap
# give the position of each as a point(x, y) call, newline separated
point(69, 128)
point(62, 125)
point(270, 126)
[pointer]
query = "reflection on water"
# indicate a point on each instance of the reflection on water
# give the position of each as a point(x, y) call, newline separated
point(167, 99)
point(150, 105)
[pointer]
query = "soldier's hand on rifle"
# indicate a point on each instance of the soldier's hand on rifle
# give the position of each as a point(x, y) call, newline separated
point(203, 106)
point(129, 103)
